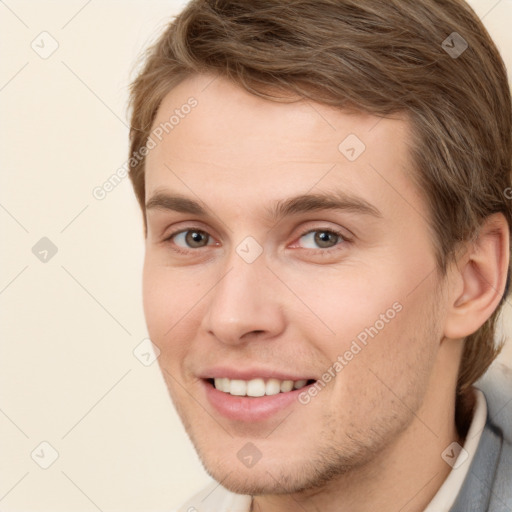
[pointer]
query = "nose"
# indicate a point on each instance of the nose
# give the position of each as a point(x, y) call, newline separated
point(244, 304)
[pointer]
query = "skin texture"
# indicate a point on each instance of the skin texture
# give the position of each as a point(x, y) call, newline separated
point(373, 436)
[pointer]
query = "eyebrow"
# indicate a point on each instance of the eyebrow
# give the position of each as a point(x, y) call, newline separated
point(336, 200)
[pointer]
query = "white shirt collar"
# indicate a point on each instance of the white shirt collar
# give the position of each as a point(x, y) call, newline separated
point(447, 493)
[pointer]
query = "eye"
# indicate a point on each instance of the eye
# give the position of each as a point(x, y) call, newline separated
point(321, 239)
point(191, 239)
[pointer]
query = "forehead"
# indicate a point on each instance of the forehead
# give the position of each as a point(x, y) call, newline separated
point(233, 140)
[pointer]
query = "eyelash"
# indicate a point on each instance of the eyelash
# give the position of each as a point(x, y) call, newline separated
point(343, 240)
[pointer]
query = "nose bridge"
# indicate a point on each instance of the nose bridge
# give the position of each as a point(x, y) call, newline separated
point(241, 302)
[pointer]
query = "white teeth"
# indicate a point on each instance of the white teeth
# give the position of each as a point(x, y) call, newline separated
point(238, 387)
point(257, 387)
point(223, 385)
point(286, 385)
point(299, 384)
point(273, 387)
point(226, 385)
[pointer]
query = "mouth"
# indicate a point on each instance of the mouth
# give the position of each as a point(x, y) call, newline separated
point(253, 401)
point(258, 387)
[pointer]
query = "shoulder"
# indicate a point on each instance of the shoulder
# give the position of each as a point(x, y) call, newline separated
point(496, 386)
point(215, 498)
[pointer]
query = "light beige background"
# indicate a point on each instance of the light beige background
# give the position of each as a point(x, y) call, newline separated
point(68, 375)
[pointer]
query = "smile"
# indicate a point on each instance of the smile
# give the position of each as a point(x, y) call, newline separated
point(257, 387)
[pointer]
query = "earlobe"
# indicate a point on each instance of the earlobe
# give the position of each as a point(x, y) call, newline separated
point(482, 271)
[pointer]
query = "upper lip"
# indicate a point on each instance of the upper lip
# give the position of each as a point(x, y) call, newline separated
point(219, 372)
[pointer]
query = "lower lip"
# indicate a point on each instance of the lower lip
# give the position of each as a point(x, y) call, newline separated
point(243, 408)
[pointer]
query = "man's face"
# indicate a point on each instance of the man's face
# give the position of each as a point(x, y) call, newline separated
point(262, 285)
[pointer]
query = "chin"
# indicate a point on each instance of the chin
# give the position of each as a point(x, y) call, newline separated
point(295, 473)
point(246, 482)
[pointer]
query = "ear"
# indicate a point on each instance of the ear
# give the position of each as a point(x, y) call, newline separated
point(479, 279)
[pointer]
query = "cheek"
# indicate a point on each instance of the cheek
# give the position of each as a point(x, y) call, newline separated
point(370, 326)
point(156, 301)
point(165, 294)
point(347, 304)
point(162, 297)
point(171, 308)
point(390, 370)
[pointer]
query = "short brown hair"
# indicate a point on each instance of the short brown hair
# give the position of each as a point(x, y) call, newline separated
point(375, 56)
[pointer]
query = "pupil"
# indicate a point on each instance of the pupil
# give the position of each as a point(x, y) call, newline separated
point(325, 239)
point(195, 238)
